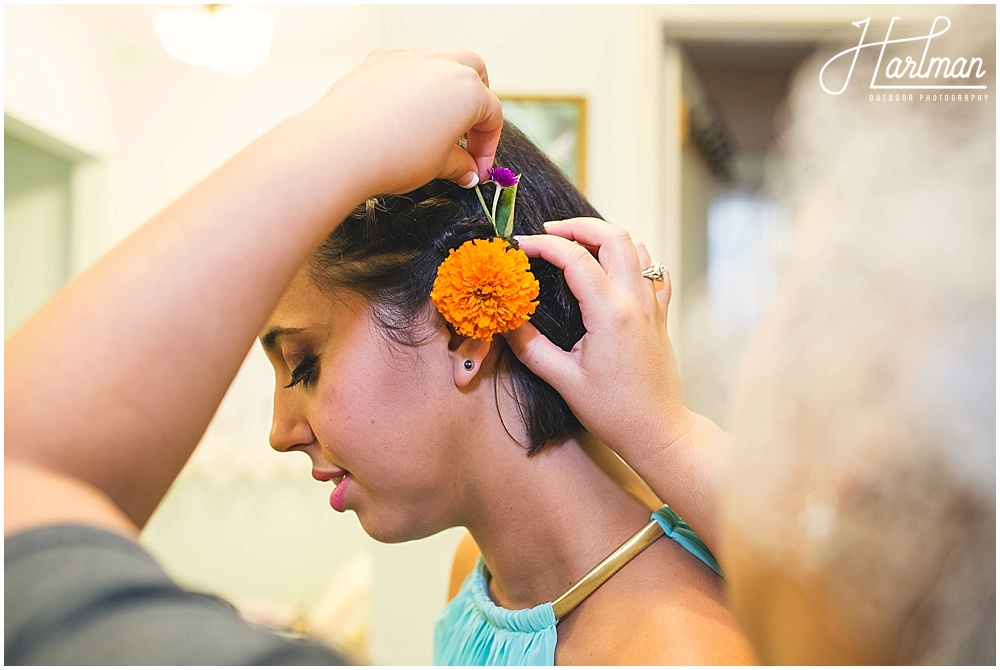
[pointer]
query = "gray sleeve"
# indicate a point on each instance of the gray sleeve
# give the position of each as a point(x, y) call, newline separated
point(75, 595)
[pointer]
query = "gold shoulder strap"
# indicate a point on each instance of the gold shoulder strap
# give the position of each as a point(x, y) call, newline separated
point(577, 593)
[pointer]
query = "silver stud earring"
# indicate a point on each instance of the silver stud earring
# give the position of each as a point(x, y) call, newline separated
point(469, 365)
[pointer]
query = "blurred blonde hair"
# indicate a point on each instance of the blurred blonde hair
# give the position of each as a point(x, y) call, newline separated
point(865, 415)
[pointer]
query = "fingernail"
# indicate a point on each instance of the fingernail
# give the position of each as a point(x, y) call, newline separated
point(546, 224)
point(470, 180)
point(521, 238)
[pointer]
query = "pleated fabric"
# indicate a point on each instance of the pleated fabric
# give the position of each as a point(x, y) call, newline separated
point(473, 630)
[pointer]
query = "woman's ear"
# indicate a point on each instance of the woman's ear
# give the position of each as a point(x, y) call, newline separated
point(467, 356)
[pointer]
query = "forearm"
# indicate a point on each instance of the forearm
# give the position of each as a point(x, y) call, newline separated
point(114, 381)
point(682, 467)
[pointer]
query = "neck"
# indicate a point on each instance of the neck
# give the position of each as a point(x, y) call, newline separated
point(548, 519)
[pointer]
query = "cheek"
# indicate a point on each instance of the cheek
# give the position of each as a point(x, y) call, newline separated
point(382, 409)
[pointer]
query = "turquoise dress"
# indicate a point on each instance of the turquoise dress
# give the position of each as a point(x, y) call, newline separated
point(473, 630)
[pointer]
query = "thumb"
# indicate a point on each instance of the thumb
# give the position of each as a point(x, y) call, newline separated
point(539, 354)
point(460, 168)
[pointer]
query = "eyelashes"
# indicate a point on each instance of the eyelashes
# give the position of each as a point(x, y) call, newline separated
point(304, 373)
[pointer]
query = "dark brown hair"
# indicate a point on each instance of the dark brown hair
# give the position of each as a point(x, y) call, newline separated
point(390, 247)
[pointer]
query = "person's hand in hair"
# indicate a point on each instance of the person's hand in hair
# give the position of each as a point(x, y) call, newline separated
point(621, 378)
point(407, 137)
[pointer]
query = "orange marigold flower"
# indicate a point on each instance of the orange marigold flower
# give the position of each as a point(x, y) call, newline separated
point(485, 288)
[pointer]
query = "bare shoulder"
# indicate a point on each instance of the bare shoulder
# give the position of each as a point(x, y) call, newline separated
point(462, 564)
point(677, 634)
point(664, 608)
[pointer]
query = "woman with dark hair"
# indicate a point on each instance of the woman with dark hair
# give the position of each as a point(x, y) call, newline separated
point(422, 428)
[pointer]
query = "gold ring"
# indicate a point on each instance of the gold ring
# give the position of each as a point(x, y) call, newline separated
point(656, 272)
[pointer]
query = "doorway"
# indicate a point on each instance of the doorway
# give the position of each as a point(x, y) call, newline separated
point(733, 234)
point(45, 183)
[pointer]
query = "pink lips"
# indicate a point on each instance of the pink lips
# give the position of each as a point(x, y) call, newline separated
point(341, 478)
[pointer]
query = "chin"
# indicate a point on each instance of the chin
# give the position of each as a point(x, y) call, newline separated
point(395, 529)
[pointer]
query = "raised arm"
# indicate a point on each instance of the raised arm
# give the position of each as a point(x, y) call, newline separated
point(109, 387)
point(621, 378)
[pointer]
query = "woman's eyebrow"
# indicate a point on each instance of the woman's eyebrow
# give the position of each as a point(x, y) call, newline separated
point(269, 339)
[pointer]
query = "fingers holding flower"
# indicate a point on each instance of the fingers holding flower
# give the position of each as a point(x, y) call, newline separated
point(408, 107)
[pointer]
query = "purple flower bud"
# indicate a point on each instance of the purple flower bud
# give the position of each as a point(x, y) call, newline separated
point(503, 177)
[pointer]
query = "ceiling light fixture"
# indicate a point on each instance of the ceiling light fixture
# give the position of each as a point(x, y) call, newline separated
point(233, 39)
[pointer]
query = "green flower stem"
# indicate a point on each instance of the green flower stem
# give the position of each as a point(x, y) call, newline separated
point(486, 211)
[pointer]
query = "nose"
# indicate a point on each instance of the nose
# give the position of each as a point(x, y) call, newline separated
point(290, 430)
